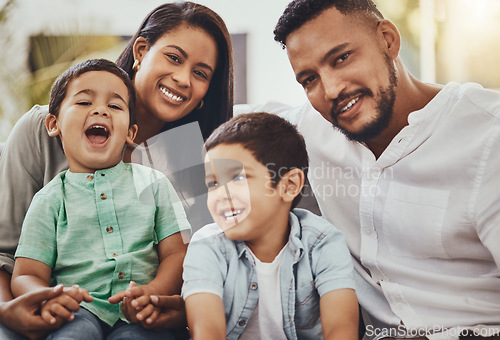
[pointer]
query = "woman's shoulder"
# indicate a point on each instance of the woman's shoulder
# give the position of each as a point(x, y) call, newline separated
point(34, 119)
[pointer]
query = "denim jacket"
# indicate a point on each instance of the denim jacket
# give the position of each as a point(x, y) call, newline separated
point(315, 262)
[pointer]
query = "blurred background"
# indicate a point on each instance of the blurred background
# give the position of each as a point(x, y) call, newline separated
point(443, 40)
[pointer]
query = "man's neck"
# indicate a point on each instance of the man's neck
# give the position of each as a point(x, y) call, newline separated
point(411, 95)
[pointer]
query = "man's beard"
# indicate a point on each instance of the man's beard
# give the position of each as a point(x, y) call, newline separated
point(385, 106)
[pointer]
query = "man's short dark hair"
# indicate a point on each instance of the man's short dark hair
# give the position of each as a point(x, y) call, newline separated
point(298, 12)
point(273, 141)
point(60, 86)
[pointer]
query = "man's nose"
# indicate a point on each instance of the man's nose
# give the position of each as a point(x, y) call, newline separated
point(332, 84)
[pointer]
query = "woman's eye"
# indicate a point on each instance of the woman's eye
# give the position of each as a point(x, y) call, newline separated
point(200, 74)
point(174, 58)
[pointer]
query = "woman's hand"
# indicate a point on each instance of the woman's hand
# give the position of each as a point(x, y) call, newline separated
point(22, 314)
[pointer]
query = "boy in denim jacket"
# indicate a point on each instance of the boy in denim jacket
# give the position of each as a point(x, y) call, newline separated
point(263, 270)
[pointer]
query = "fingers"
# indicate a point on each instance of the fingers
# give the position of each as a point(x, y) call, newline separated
point(118, 297)
point(62, 312)
point(128, 310)
point(36, 298)
point(79, 294)
point(140, 302)
point(145, 312)
point(167, 301)
point(47, 316)
point(153, 317)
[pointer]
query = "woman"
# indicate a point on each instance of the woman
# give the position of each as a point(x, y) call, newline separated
point(180, 61)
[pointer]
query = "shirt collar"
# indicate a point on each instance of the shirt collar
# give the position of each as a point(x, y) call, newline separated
point(295, 244)
point(88, 177)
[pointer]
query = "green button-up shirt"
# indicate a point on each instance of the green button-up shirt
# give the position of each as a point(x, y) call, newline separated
point(100, 230)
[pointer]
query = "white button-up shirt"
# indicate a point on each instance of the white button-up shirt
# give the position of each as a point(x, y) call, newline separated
point(422, 221)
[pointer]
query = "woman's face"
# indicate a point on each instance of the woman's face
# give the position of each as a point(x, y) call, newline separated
point(174, 74)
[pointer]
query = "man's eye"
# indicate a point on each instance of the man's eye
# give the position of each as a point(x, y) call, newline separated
point(307, 81)
point(342, 58)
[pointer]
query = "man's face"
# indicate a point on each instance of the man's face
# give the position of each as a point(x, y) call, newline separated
point(348, 77)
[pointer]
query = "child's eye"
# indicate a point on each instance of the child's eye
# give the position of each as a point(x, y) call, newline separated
point(84, 103)
point(212, 185)
point(240, 177)
point(115, 107)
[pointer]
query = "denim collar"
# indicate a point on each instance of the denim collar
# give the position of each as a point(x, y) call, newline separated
point(295, 245)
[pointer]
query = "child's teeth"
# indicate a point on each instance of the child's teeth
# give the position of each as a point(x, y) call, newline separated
point(231, 214)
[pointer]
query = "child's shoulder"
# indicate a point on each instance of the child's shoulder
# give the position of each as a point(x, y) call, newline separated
point(208, 232)
point(54, 190)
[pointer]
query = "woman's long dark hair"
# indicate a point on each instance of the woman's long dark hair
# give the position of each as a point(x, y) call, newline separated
point(218, 101)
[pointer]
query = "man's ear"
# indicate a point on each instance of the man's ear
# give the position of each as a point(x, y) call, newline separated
point(390, 38)
point(51, 125)
point(141, 47)
point(291, 184)
point(132, 132)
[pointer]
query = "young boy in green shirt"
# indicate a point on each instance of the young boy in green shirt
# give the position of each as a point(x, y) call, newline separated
point(103, 223)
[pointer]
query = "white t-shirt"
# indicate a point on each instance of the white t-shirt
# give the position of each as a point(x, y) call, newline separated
point(267, 319)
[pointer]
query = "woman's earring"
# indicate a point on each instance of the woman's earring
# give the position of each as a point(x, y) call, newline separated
point(200, 105)
point(136, 65)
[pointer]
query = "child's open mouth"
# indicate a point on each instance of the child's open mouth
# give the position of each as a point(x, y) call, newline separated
point(97, 134)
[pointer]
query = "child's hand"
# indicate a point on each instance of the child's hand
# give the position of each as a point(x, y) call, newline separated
point(60, 308)
point(136, 305)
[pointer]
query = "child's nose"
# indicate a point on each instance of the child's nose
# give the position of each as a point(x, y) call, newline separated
point(100, 111)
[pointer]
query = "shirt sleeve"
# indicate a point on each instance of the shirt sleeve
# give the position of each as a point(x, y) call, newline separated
point(487, 204)
point(331, 263)
point(205, 267)
point(170, 215)
point(29, 160)
point(38, 237)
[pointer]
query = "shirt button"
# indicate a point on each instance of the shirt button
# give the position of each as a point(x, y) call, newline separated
point(115, 255)
point(242, 323)
point(368, 232)
point(103, 196)
point(109, 229)
point(90, 177)
point(253, 286)
point(121, 275)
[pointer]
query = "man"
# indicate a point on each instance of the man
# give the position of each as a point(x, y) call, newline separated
point(409, 172)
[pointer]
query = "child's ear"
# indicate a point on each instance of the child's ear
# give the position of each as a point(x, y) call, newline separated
point(291, 184)
point(51, 125)
point(132, 132)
